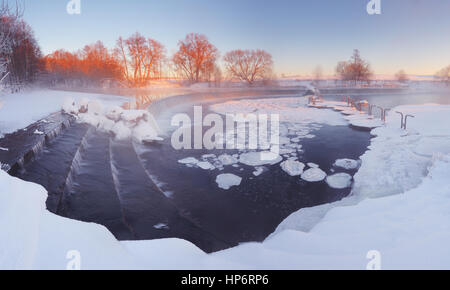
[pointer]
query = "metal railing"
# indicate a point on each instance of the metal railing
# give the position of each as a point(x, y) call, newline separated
point(358, 105)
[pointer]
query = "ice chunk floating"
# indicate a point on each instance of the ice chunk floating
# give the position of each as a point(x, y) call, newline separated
point(348, 164)
point(339, 180)
point(314, 175)
point(293, 168)
point(226, 181)
point(260, 158)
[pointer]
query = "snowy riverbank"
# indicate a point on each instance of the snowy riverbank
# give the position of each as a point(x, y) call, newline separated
point(399, 208)
point(19, 110)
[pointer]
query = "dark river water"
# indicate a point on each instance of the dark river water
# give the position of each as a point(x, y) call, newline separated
point(141, 192)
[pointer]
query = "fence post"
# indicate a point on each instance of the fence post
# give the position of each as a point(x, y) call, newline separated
point(402, 116)
point(406, 119)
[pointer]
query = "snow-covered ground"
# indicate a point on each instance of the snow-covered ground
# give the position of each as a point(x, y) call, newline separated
point(398, 207)
point(19, 110)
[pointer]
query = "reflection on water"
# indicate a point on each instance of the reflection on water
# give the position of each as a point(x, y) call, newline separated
point(141, 102)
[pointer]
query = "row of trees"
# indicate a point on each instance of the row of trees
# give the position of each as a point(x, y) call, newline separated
point(20, 55)
point(92, 64)
point(138, 60)
point(357, 70)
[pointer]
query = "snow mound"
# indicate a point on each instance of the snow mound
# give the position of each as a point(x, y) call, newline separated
point(339, 180)
point(293, 168)
point(313, 175)
point(226, 181)
point(139, 125)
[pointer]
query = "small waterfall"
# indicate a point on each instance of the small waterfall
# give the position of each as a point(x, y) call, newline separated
point(115, 174)
point(38, 147)
point(54, 133)
point(73, 170)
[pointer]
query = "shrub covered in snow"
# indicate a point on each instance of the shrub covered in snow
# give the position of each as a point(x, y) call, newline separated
point(123, 124)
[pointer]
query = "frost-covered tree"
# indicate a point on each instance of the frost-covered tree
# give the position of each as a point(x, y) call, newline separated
point(20, 55)
point(6, 14)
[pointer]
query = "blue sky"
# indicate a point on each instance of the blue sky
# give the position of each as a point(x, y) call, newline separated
point(409, 34)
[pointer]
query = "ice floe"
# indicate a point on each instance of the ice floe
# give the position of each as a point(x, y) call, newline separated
point(348, 164)
point(226, 159)
point(259, 170)
point(293, 168)
point(226, 181)
point(189, 160)
point(260, 158)
point(313, 175)
point(312, 165)
point(205, 165)
point(161, 226)
point(339, 180)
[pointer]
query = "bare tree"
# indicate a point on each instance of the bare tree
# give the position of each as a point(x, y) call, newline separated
point(217, 76)
point(141, 59)
point(318, 74)
point(356, 69)
point(444, 75)
point(10, 12)
point(249, 65)
point(195, 58)
point(20, 55)
point(120, 52)
point(401, 76)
